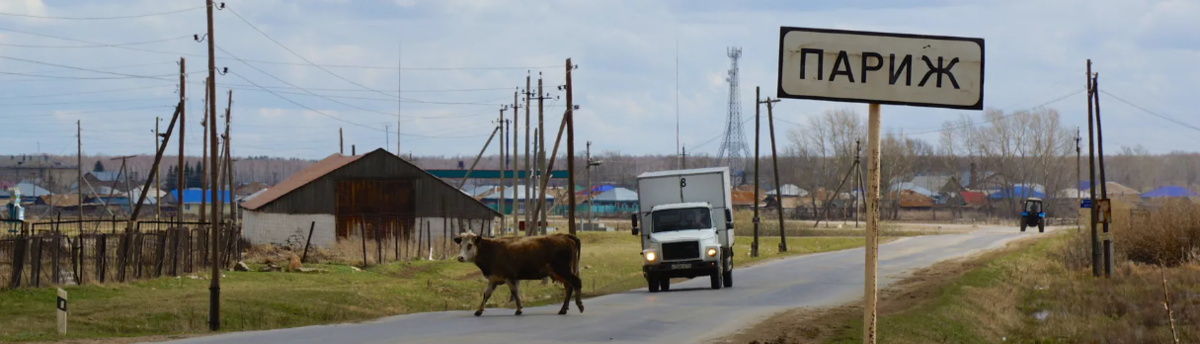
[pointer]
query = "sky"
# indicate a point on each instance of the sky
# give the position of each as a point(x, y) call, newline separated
point(330, 64)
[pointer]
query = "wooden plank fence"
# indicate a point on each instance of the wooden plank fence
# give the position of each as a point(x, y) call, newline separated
point(55, 259)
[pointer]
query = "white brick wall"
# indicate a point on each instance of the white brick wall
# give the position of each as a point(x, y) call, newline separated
point(269, 228)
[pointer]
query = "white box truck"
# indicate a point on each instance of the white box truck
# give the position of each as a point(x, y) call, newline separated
point(686, 226)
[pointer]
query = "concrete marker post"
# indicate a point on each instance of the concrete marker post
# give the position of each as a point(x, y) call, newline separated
point(61, 306)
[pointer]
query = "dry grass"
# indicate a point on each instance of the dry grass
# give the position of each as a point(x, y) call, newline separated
point(1169, 235)
point(1043, 292)
point(258, 300)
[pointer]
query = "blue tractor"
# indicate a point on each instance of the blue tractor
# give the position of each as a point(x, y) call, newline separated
point(1033, 214)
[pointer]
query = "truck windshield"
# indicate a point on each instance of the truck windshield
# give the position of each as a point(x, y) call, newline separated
point(681, 219)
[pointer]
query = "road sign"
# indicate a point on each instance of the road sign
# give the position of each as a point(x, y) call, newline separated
point(1085, 203)
point(1103, 211)
point(881, 68)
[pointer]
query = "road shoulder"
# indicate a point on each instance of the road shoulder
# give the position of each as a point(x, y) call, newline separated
point(821, 325)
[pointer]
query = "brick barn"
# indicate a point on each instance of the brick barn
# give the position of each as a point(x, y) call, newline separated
point(376, 193)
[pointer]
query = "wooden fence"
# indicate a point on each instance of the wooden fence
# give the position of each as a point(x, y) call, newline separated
point(49, 259)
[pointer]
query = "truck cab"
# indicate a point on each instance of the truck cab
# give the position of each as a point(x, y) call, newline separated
point(685, 227)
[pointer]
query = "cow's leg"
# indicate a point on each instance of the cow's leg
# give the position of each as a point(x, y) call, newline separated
point(579, 296)
point(512, 287)
point(567, 299)
point(487, 294)
point(572, 284)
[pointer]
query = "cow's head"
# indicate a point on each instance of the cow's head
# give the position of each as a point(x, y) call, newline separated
point(468, 246)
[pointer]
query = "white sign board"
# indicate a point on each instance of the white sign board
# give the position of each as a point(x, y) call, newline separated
point(882, 68)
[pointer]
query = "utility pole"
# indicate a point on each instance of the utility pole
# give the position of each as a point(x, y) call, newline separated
point(570, 153)
point(204, 156)
point(214, 313)
point(1092, 172)
point(545, 170)
point(341, 142)
point(775, 165)
point(157, 183)
point(400, 92)
point(229, 158)
point(858, 193)
point(527, 169)
point(1103, 180)
point(516, 132)
point(1079, 175)
point(757, 105)
point(683, 158)
point(79, 166)
point(587, 157)
point(180, 181)
point(503, 167)
point(387, 137)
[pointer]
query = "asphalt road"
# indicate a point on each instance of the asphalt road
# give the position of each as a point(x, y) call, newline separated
point(689, 313)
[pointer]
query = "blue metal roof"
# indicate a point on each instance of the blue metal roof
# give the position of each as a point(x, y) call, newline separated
point(1170, 191)
point(194, 195)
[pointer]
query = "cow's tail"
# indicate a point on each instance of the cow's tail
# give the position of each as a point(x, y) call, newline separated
point(578, 253)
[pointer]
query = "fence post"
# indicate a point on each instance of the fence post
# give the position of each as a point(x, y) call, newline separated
point(362, 231)
point(160, 254)
point(308, 241)
point(18, 261)
point(54, 275)
point(378, 243)
point(102, 257)
point(35, 265)
point(173, 238)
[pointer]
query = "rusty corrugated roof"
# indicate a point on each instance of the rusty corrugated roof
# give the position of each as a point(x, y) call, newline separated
point(321, 168)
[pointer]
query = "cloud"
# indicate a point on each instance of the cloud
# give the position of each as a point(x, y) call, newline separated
point(626, 51)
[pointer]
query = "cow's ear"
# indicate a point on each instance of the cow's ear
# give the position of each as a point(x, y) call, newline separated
point(458, 240)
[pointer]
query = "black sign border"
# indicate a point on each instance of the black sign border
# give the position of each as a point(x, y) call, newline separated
point(784, 30)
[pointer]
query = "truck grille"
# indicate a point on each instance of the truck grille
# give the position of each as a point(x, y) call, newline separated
point(681, 250)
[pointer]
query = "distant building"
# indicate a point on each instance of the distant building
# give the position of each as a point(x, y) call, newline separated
point(56, 176)
point(192, 197)
point(374, 194)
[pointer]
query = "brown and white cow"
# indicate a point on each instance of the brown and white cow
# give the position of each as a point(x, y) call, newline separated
point(510, 260)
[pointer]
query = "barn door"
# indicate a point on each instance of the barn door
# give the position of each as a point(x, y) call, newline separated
point(366, 206)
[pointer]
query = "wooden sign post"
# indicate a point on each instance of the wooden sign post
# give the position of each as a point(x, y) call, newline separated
point(879, 68)
point(61, 305)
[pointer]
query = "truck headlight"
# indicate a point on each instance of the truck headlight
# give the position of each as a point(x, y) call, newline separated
point(712, 251)
point(651, 256)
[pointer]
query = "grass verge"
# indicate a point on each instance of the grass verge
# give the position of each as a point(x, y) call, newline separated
point(1029, 292)
point(257, 301)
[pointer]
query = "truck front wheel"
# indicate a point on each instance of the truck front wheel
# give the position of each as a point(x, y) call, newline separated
point(727, 280)
point(664, 283)
point(715, 279)
point(652, 281)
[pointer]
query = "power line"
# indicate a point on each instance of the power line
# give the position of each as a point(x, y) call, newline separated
point(1152, 113)
point(944, 129)
point(101, 18)
point(302, 89)
point(283, 63)
point(92, 45)
point(87, 112)
point(85, 92)
point(289, 50)
point(86, 102)
point(86, 69)
point(44, 77)
point(304, 106)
